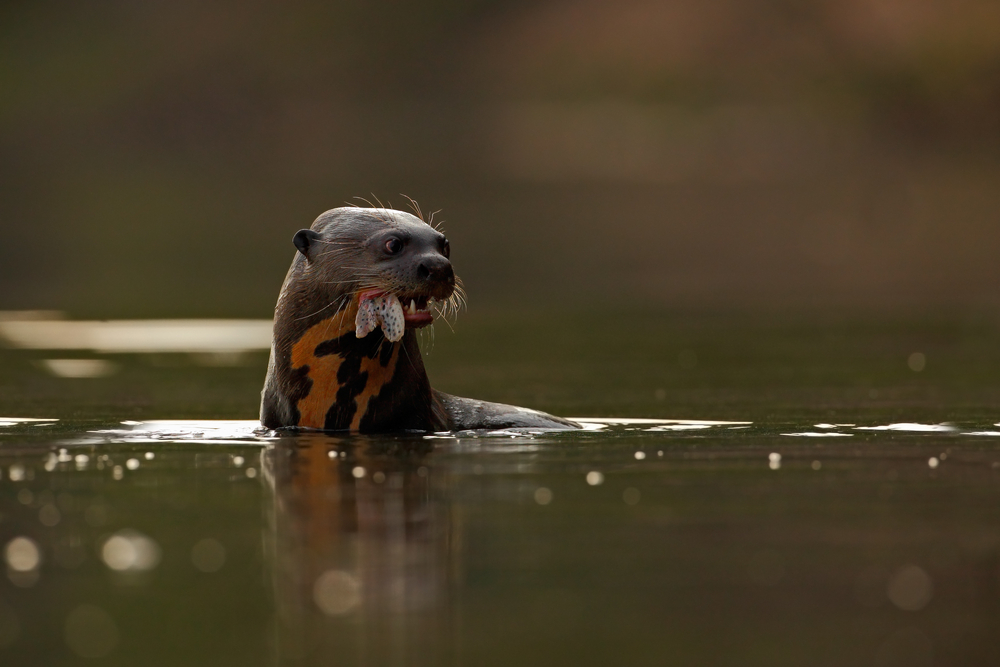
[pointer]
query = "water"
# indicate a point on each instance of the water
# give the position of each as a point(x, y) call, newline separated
point(713, 532)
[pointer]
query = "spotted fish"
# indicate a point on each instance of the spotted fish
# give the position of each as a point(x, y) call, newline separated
point(380, 311)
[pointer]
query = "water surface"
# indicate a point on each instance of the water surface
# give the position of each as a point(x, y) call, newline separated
point(793, 494)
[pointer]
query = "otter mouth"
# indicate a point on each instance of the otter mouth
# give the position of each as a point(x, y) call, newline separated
point(378, 308)
point(416, 311)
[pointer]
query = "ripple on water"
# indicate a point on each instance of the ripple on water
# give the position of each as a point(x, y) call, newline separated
point(250, 432)
point(911, 427)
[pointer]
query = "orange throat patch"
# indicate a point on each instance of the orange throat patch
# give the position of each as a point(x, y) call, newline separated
point(324, 369)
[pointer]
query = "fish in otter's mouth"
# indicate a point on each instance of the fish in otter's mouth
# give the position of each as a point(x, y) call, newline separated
point(377, 308)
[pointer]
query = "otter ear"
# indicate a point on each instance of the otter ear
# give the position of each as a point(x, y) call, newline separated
point(303, 239)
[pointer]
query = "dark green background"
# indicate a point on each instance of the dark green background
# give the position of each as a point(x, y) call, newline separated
point(157, 157)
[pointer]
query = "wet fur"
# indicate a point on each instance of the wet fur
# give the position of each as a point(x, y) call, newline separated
point(322, 376)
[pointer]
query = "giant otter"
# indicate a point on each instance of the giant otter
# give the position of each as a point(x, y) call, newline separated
point(344, 355)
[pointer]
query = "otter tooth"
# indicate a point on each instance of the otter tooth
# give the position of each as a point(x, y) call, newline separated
point(413, 307)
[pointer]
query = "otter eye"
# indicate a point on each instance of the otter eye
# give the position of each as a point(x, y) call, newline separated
point(393, 246)
point(446, 248)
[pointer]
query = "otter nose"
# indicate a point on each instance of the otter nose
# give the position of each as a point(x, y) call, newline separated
point(436, 270)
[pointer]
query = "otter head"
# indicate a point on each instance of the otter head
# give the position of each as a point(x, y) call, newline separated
point(384, 261)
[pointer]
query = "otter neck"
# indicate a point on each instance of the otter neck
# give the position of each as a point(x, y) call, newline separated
point(342, 382)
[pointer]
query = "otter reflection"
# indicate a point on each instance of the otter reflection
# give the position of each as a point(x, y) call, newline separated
point(360, 547)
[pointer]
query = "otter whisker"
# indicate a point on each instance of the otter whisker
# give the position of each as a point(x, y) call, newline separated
point(439, 226)
point(337, 251)
point(414, 205)
point(329, 323)
point(443, 316)
point(427, 339)
point(382, 341)
point(360, 269)
point(359, 276)
point(340, 301)
point(328, 242)
point(409, 360)
point(377, 211)
point(381, 209)
point(345, 247)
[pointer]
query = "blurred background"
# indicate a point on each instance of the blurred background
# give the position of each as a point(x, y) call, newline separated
point(156, 157)
point(784, 212)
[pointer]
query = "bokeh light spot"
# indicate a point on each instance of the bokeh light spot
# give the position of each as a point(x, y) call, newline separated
point(22, 554)
point(208, 555)
point(910, 588)
point(49, 515)
point(336, 592)
point(128, 550)
point(543, 495)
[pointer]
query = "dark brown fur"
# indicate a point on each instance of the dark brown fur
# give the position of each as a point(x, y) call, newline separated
point(322, 376)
